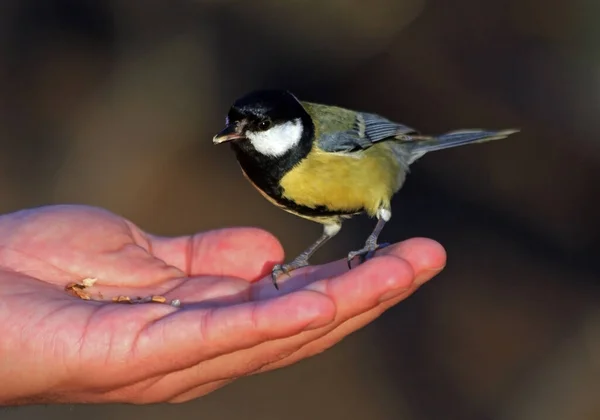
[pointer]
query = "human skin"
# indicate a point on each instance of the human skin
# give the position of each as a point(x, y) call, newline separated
point(57, 348)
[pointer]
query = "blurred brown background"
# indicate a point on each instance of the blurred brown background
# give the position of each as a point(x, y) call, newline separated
point(115, 103)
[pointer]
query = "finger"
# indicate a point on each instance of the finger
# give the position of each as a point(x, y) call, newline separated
point(335, 335)
point(353, 292)
point(284, 352)
point(357, 291)
point(362, 288)
point(382, 271)
point(190, 336)
point(425, 256)
point(199, 391)
point(365, 292)
point(247, 253)
point(277, 353)
point(145, 392)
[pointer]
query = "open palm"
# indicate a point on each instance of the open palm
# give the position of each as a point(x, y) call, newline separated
point(57, 348)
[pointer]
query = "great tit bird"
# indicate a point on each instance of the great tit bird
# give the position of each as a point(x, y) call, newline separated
point(326, 163)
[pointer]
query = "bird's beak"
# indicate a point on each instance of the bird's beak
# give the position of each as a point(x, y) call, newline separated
point(229, 133)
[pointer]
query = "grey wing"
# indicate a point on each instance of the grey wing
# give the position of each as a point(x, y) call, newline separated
point(368, 130)
point(377, 128)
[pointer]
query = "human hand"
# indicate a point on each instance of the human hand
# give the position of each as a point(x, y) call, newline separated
point(57, 348)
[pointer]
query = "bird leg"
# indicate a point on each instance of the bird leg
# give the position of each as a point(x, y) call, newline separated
point(329, 231)
point(371, 245)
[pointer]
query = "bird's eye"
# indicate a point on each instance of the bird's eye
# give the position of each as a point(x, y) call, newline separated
point(264, 125)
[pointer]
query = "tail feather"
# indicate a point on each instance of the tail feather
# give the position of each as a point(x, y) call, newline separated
point(423, 144)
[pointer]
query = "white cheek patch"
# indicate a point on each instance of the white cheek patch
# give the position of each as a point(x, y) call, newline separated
point(277, 140)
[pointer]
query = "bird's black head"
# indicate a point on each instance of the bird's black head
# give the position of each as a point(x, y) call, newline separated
point(270, 132)
point(266, 108)
point(272, 123)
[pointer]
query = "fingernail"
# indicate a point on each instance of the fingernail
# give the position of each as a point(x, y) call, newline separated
point(427, 275)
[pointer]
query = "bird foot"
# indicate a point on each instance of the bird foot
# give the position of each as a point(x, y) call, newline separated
point(366, 253)
point(280, 269)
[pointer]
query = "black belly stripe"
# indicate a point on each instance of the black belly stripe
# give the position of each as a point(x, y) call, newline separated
point(319, 211)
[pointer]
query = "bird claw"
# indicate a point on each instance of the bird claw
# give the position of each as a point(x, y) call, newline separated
point(365, 254)
point(280, 269)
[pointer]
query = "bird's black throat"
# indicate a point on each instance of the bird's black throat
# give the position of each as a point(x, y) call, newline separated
point(266, 171)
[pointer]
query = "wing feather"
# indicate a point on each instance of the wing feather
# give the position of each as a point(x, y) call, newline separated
point(367, 130)
point(378, 128)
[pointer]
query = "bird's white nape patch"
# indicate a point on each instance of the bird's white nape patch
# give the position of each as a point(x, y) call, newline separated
point(277, 140)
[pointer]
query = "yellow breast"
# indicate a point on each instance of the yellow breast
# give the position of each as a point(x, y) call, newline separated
point(345, 182)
